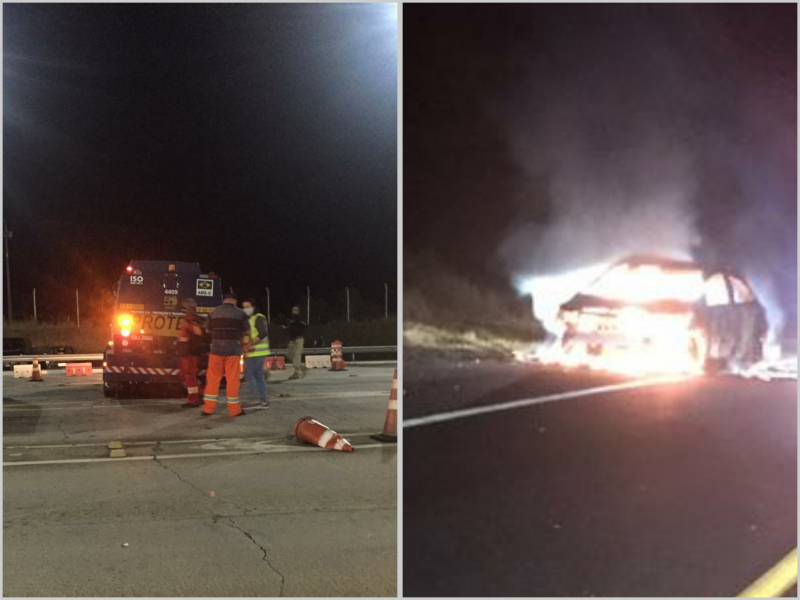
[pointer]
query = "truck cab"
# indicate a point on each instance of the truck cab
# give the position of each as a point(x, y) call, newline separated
point(147, 317)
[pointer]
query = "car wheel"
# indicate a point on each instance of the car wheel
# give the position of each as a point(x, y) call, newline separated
point(109, 390)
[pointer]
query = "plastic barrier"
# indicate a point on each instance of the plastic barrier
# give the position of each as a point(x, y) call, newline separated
point(274, 363)
point(79, 369)
point(23, 371)
point(318, 362)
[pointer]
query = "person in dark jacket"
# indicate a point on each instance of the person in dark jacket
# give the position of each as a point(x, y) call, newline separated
point(297, 332)
point(229, 329)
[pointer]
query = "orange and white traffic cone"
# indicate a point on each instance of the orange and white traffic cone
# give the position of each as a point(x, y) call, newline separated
point(390, 424)
point(337, 362)
point(36, 374)
point(313, 432)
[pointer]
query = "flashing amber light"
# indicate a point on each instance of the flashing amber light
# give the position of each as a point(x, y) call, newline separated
point(110, 342)
point(125, 321)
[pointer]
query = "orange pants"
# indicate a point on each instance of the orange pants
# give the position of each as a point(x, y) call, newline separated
point(217, 365)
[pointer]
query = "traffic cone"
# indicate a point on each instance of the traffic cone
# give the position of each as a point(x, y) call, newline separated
point(390, 425)
point(36, 374)
point(337, 362)
point(313, 432)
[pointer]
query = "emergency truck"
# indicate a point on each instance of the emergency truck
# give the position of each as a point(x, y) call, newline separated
point(147, 319)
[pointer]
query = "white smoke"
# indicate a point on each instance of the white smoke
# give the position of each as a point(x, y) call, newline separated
point(633, 135)
point(635, 200)
point(608, 146)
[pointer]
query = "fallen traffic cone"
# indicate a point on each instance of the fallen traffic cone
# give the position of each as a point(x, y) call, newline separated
point(36, 374)
point(390, 425)
point(313, 432)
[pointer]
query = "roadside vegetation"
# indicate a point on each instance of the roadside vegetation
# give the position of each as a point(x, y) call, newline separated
point(445, 310)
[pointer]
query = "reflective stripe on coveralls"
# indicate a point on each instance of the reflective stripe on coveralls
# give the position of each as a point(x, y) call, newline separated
point(217, 367)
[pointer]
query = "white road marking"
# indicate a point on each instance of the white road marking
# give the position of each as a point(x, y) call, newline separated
point(174, 401)
point(492, 408)
point(277, 449)
point(154, 442)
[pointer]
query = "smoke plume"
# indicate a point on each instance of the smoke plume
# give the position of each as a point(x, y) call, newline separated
point(666, 132)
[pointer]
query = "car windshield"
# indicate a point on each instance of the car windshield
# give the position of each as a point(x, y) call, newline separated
point(643, 283)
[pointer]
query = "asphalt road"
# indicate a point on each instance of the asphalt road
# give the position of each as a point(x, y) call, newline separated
point(200, 506)
point(681, 488)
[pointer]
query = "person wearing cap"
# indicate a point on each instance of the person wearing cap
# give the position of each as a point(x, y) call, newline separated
point(190, 348)
point(257, 351)
point(229, 329)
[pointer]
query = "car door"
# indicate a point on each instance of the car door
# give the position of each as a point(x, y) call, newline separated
point(751, 321)
point(719, 321)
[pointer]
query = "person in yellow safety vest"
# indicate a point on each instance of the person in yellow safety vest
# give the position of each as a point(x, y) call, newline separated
point(256, 350)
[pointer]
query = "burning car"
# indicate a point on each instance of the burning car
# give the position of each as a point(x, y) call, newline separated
point(651, 314)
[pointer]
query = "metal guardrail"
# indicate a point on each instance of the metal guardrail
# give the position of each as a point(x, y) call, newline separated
point(277, 351)
point(53, 358)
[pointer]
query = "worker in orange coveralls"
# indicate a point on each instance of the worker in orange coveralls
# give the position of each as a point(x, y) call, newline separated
point(190, 348)
point(230, 331)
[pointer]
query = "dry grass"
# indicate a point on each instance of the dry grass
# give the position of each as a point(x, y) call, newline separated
point(479, 341)
point(442, 309)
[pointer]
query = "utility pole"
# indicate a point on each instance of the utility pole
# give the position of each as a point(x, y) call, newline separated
point(268, 321)
point(7, 236)
point(386, 300)
point(347, 290)
point(308, 305)
point(78, 307)
point(34, 306)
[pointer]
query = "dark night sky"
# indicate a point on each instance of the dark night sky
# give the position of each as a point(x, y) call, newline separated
point(258, 140)
point(540, 138)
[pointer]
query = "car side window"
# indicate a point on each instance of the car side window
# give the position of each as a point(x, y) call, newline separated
point(716, 291)
point(741, 293)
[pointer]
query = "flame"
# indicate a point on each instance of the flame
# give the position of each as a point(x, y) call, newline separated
point(630, 340)
point(641, 284)
point(549, 292)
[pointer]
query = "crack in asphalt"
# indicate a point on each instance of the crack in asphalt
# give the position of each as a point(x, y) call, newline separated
point(233, 525)
point(189, 483)
point(11, 521)
point(205, 494)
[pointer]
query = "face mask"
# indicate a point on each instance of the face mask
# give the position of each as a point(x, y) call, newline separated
point(249, 311)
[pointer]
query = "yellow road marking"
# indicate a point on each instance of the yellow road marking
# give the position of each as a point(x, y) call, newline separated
point(775, 582)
